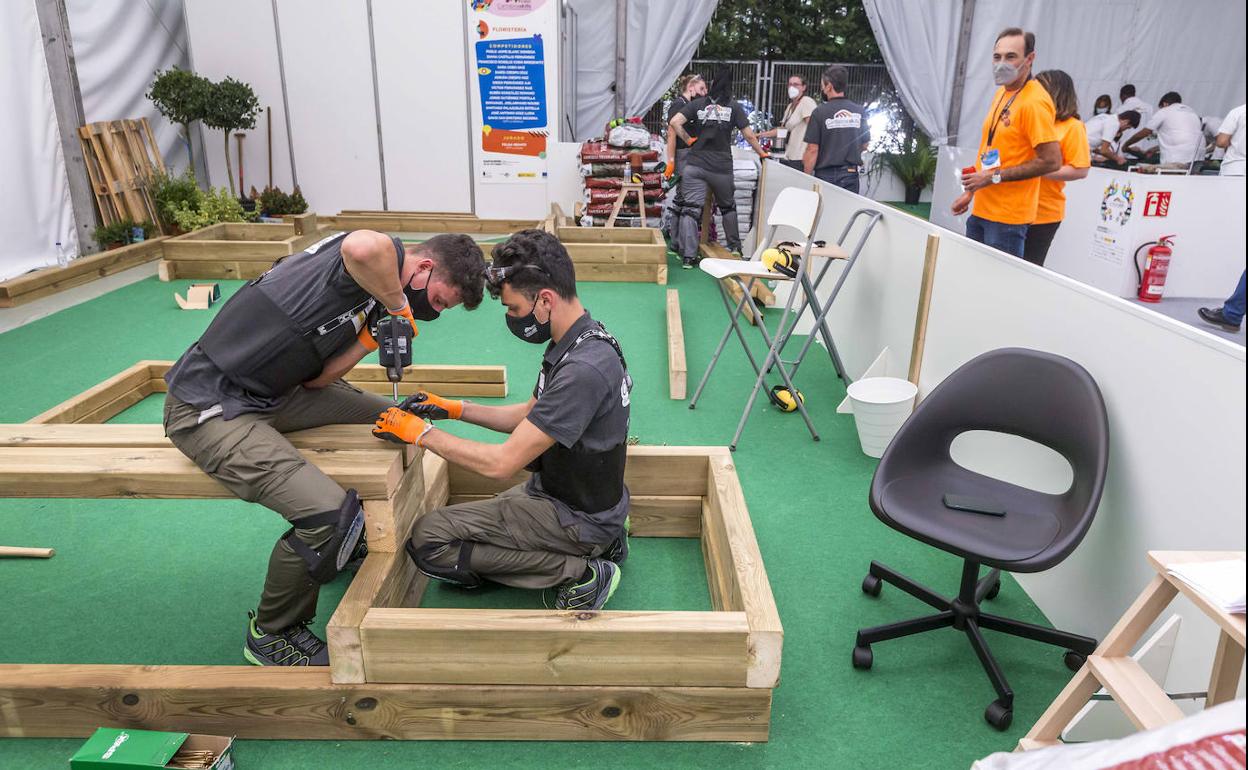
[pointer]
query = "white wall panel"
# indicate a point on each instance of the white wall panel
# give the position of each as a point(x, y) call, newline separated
point(236, 38)
point(329, 84)
point(422, 88)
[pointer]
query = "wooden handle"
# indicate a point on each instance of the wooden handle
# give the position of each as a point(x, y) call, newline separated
point(925, 303)
point(33, 553)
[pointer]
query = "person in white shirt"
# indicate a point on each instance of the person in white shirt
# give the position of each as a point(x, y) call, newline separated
point(1231, 138)
point(794, 121)
point(1103, 105)
point(1178, 131)
point(1105, 142)
point(1127, 100)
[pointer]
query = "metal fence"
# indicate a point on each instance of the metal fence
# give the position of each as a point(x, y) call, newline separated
point(765, 84)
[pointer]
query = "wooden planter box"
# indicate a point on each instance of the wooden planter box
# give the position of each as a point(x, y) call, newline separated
point(51, 280)
point(616, 253)
point(399, 671)
point(236, 250)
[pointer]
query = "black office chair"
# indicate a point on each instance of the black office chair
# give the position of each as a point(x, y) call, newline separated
point(1046, 398)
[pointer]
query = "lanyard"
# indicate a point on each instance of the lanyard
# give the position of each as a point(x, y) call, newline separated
point(992, 130)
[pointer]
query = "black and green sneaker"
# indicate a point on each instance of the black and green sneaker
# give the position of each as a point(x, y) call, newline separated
point(594, 588)
point(617, 550)
point(294, 646)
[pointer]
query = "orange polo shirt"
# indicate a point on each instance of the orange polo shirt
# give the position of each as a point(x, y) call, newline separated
point(1027, 123)
point(1072, 137)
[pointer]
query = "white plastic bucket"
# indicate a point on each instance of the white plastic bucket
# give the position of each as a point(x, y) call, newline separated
point(881, 405)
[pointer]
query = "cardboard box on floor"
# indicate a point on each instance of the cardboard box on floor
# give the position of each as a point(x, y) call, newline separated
point(200, 296)
point(119, 749)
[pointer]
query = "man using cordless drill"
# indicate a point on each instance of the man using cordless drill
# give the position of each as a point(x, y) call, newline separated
point(567, 525)
point(270, 363)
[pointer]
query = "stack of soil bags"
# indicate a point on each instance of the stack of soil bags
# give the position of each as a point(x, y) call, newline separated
point(628, 154)
point(745, 180)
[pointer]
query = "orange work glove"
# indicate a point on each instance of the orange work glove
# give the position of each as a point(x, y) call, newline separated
point(401, 427)
point(369, 340)
point(692, 139)
point(433, 407)
point(669, 169)
point(406, 312)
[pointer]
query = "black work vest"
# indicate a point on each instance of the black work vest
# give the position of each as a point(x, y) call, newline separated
point(278, 331)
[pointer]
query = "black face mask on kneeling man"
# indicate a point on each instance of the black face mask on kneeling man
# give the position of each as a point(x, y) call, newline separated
point(418, 300)
point(528, 328)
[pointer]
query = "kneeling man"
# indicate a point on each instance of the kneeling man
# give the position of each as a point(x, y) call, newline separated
point(567, 525)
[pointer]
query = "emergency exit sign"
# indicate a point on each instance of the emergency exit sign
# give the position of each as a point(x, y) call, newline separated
point(1156, 204)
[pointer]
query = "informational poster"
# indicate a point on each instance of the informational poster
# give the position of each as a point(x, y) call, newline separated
point(509, 58)
point(1117, 202)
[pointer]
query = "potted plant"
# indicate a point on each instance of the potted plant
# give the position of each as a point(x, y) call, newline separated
point(914, 166)
point(231, 106)
point(121, 232)
point(216, 205)
point(181, 96)
point(274, 203)
point(172, 192)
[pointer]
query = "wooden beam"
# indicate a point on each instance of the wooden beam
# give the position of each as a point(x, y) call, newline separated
point(925, 304)
point(205, 270)
point(584, 254)
point(390, 520)
point(383, 581)
point(548, 647)
point(1139, 697)
point(677, 371)
point(51, 280)
point(177, 250)
point(727, 504)
point(1228, 662)
point(44, 701)
point(152, 436)
point(430, 373)
point(650, 470)
point(98, 397)
point(399, 222)
point(650, 515)
point(609, 235)
point(257, 231)
point(305, 224)
point(437, 481)
point(464, 389)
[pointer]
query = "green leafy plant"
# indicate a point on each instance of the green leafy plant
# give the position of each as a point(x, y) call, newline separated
point(231, 105)
point(914, 166)
point(171, 192)
point(182, 97)
point(216, 205)
point(122, 232)
point(275, 203)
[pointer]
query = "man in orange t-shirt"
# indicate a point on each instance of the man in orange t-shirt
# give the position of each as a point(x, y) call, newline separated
point(1018, 146)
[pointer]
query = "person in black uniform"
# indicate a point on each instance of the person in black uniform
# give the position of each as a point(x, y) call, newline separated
point(567, 525)
point(270, 363)
point(691, 87)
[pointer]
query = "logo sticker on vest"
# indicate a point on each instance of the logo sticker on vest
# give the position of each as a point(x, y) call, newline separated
point(843, 119)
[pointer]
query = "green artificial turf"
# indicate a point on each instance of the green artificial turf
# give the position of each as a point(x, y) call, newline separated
point(921, 210)
point(169, 581)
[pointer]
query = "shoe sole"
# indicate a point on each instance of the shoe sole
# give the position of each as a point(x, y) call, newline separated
point(615, 583)
point(251, 658)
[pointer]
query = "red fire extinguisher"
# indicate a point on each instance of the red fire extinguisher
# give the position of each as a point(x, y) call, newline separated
point(1152, 273)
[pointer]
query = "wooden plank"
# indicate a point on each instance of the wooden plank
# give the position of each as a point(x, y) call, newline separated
point(205, 270)
point(97, 396)
point(457, 389)
point(677, 371)
point(1163, 560)
point(591, 271)
point(1146, 608)
point(298, 243)
point(649, 515)
point(1073, 697)
point(425, 224)
point(177, 250)
point(437, 481)
point(305, 224)
point(301, 703)
point(574, 235)
point(93, 472)
point(1228, 661)
point(431, 373)
point(50, 280)
point(389, 521)
point(1139, 697)
point(152, 435)
point(547, 647)
point(766, 632)
point(721, 580)
point(925, 304)
point(256, 231)
point(108, 411)
point(616, 254)
point(650, 470)
point(1027, 744)
point(342, 633)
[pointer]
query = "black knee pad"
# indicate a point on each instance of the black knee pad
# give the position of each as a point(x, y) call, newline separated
point(461, 575)
point(328, 559)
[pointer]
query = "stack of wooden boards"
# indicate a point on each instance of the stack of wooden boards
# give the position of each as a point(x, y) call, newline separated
point(119, 167)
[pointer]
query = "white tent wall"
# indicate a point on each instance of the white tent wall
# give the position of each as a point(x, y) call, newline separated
point(251, 57)
point(37, 211)
point(1163, 492)
point(118, 48)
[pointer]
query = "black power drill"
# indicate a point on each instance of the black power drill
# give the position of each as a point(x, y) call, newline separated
point(394, 339)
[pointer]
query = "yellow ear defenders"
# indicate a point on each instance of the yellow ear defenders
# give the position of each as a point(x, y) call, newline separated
point(781, 260)
point(782, 398)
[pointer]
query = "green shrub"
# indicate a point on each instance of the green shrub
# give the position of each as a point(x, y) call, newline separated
point(216, 205)
point(172, 192)
point(274, 202)
point(121, 232)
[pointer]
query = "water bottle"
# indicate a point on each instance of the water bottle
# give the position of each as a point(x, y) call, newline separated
point(62, 255)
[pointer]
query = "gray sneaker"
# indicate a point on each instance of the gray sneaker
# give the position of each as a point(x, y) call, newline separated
point(294, 646)
point(591, 594)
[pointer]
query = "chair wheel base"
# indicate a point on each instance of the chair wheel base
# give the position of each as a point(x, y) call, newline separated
point(999, 715)
point(871, 585)
point(992, 592)
point(1073, 660)
point(863, 657)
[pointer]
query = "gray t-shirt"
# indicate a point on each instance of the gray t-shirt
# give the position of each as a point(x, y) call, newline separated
point(583, 406)
point(840, 128)
point(313, 287)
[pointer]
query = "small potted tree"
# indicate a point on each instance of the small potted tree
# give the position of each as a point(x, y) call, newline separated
point(181, 96)
point(914, 166)
point(231, 106)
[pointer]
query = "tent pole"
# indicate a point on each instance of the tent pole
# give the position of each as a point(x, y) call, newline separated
point(58, 50)
point(621, 55)
point(959, 71)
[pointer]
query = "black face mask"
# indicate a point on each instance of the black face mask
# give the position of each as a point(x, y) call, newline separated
point(418, 301)
point(528, 328)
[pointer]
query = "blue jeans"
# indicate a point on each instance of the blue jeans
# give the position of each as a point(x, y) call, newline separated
point(840, 176)
point(1008, 238)
point(1233, 309)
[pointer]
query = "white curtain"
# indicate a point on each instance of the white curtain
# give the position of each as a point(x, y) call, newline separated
point(37, 211)
point(662, 36)
point(119, 47)
point(919, 43)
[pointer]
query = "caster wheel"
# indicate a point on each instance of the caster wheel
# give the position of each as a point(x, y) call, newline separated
point(1073, 660)
point(863, 657)
point(871, 585)
point(992, 592)
point(999, 715)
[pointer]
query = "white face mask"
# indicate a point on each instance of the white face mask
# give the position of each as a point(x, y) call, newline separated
point(1102, 110)
point(1004, 72)
point(794, 91)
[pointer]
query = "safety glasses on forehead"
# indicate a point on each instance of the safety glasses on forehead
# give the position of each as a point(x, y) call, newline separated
point(497, 275)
